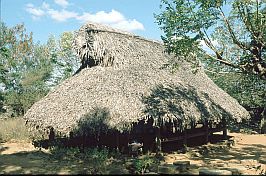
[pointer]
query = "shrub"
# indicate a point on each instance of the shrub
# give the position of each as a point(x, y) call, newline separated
point(141, 165)
point(95, 158)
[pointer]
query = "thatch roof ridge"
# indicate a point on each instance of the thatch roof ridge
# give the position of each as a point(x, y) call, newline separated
point(97, 27)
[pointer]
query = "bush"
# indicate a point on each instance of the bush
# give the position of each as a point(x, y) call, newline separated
point(141, 165)
point(95, 159)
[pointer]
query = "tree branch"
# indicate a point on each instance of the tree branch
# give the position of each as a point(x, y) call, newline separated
point(232, 34)
point(221, 60)
point(220, 72)
point(246, 19)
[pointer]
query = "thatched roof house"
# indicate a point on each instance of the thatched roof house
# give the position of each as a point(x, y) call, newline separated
point(128, 80)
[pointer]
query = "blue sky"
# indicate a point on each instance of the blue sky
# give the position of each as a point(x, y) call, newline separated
point(53, 17)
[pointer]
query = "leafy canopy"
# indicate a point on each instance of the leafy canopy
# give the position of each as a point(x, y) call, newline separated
point(234, 32)
point(29, 70)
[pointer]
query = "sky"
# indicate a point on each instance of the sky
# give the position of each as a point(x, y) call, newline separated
point(52, 17)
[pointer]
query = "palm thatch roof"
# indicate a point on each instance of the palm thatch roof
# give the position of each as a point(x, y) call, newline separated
point(128, 81)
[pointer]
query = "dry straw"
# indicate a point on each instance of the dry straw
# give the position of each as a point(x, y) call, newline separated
point(128, 83)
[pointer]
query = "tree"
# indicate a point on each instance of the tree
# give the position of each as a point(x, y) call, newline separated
point(25, 68)
point(236, 40)
point(29, 70)
point(65, 62)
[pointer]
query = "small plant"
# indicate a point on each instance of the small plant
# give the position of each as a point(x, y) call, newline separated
point(142, 165)
point(184, 149)
point(96, 159)
point(65, 153)
point(260, 171)
point(246, 131)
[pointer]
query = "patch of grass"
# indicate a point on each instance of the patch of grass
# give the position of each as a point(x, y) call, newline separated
point(13, 129)
point(94, 159)
point(143, 164)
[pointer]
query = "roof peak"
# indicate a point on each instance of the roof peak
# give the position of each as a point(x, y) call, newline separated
point(97, 27)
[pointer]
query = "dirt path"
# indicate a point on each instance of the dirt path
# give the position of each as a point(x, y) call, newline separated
point(248, 155)
point(22, 158)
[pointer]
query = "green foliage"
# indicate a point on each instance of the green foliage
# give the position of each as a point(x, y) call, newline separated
point(65, 153)
point(65, 62)
point(235, 38)
point(96, 159)
point(29, 70)
point(249, 90)
point(142, 164)
point(25, 69)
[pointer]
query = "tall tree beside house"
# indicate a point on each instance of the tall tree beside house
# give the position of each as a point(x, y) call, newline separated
point(65, 62)
point(25, 68)
point(29, 70)
point(187, 23)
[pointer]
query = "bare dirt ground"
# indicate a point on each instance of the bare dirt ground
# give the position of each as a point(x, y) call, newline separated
point(247, 155)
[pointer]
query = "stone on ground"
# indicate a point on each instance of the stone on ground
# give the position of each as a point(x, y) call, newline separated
point(207, 171)
point(167, 169)
point(182, 165)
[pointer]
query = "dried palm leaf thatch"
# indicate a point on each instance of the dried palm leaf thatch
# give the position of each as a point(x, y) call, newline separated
point(128, 82)
point(101, 45)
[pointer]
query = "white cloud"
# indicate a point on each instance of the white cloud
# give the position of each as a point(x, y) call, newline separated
point(34, 11)
point(102, 17)
point(45, 6)
point(62, 15)
point(62, 3)
point(112, 18)
point(129, 25)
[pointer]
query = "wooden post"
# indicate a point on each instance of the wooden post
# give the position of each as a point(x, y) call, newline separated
point(128, 140)
point(211, 129)
point(207, 131)
point(117, 140)
point(83, 141)
point(158, 140)
point(224, 128)
point(185, 140)
point(185, 137)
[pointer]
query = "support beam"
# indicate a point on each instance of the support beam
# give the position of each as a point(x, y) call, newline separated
point(158, 142)
point(185, 137)
point(206, 126)
point(117, 140)
point(224, 128)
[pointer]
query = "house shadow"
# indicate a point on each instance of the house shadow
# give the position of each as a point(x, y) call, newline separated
point(40, 162)
point(89, 132)
point(176, 100)
point(182, 110)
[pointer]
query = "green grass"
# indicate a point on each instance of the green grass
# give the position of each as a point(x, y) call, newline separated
point(13, 129)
